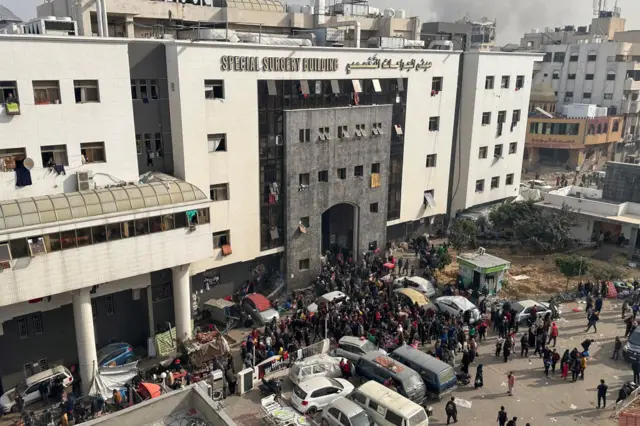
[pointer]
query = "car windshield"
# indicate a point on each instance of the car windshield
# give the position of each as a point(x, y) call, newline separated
point(369, 346)
point(360, 419)
point(418, 418)
point(634, 339)
point(299, 392)
point(336, 383)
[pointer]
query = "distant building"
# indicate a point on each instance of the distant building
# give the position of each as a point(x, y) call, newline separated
point(543, 97)
point(7, 17)
point(483, 32)
point(457, 32)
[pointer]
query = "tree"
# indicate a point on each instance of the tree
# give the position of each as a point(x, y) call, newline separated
point(463, 233)
point(572, 266)
point(443, 260)
point(606, 272)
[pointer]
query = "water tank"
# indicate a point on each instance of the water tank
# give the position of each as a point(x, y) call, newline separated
point(389, 13)
point(294, 8)
point(401, 13)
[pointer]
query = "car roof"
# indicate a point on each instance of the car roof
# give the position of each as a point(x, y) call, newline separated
point(353, 340)
point(332, 295)
point(421, 358)
point(524, 304)
point(346, 406)
point(314, 383)
point(414, 295)
point(58, 369)
point(261, 302)
point(389, 398)
point(459, 300)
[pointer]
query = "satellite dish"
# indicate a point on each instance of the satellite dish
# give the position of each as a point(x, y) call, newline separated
point(28, 163)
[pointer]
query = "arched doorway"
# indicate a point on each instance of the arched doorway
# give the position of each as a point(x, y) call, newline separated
point(340, 230)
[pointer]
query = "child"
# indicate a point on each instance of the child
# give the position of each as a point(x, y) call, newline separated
point(565, 370)
point(499, 346)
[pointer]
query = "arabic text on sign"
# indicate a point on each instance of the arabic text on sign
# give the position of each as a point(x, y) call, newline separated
point(375, 63)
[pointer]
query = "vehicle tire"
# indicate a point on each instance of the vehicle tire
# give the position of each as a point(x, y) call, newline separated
point(312, 411)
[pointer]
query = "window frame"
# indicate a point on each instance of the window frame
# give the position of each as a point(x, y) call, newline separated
point(505, 81)
point(341, 173)
point(210, 94)
point(489, 82)
point(304, 265)
point(436, 84)
point(221, 138)
point(432, 160)
point(509, 178)
point(221, 238)
point(6, 87)
point(82, 86)
point(434, 124)
point(483, 150)
point(513, 147)
point(219, 188)
point(55, 149)
point(479, 185)
point(51, 90)
point(486, 118)
point(495, 182)
point(92, 146)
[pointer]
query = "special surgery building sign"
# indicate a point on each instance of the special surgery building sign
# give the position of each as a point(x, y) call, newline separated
point(277, 64)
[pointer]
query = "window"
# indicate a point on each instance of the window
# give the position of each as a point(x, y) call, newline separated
point(303, 264)
point(586, 95)
point(217, 142)
point(486, 118)
point(555, 75)
point(108, 305)
point(221, 238)
point(375, 168)
point(502, 116)
point(608, 96)
point(429, 198)
point(23, 328)
point(513, 147)
point(592, 57)
point(304, 135)
point(214, 89)
point(373, 208)
point(360, 130)
point(54, 155)
point(611, 76)
point(616, 126)
point(515, 117)
point(547, 57)
point(303, 179)
point(93, 152)
point(324, 134)
point(504, 82)
point(219, 192)
point(134, 89)
point(153, 88)
point(8, 91)
point(38, 327)
point(483, 152)
point(342, 173)
point(46, 92)
point(343, 132)
point(393, 418)
point(431, 160)
point(9, 156)
point(509, 179)
point(488, 82)
point(588, 77)
point(497, 151)
point(495, 182)
point(323, 176)
point(86, 91)
point(358, 171)
point(99, 234)
point(436, 84)
point(520, 82)
point(480, 185)
point(558, 57)
point(571, 76)
point(434, 124)
point(573, 58)
point(568, 94)
point(376, 129)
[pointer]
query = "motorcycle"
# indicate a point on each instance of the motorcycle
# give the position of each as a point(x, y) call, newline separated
point(270, 387)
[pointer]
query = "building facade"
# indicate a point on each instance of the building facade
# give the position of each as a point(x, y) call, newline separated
point(492, 115)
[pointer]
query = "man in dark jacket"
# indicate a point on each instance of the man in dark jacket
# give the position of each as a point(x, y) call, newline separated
point(451, 410)
point(602, 394)
point(635, 366)
point(512, 422)
point(502, 416)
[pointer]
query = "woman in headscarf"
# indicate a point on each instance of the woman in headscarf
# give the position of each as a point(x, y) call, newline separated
point(479, 382)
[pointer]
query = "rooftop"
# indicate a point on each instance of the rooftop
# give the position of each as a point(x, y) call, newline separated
point(482, 259)
point(75, 205)
point(8, 16)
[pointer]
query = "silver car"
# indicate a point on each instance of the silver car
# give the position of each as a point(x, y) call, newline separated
point(352, 348)
point(344, 412)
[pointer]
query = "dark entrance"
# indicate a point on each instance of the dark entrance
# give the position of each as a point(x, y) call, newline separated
point(340, 229)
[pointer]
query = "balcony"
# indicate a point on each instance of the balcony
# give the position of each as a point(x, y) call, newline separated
point(630, 107)
point(631, 84)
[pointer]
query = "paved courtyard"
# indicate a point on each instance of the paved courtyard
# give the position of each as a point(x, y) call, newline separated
point(537, 400)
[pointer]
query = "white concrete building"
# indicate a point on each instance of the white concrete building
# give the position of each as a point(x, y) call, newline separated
point(493, 109)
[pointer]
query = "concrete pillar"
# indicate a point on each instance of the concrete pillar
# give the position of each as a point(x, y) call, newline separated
point(129, 28)
point(632, 241)
point(85, 337)
point(182, 301)
point(152, 323)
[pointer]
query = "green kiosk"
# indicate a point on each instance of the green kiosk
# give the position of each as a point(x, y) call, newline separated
point(481, 270)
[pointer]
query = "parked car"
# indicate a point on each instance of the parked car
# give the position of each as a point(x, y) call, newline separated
point(523, 309)
point(538, 184)
point(455, 304)
point(631, 349)
point(259, 308)
point(420, 284)
point(411, 297)
point(336, 297)
point(115, 354)
point(352, 348)
point(29, 389)
point(315, 394)
point(344, 412)
point(321, 365)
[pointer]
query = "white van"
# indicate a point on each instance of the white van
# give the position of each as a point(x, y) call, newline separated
point(387, 407)
point(30, 388)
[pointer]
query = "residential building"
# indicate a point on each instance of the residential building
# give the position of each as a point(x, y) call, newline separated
point(613, 211)
point(575, 140)
point(490, 145)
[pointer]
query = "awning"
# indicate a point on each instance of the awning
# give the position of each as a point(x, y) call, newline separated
point(149, 390)
point(428, 198)
point(226, 250)
point(302, 229)
point(304, 87)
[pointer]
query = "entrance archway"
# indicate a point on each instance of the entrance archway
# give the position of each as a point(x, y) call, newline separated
point(340, 230)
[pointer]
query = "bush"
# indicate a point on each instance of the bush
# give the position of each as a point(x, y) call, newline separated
point(606, 272)
point(463, 233)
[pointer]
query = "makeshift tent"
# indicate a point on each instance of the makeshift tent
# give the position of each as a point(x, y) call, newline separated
point(148, 390)
point(109, 378)
point(261, 302)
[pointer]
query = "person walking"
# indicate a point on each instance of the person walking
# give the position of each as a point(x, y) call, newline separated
point(479, 382)
point(583, 366)
point(635, 366)
point(555, 357)
point(502, 417)
point(547, 364)
point(602, 394)
point(451, 410)
point(506, 349)
point(511, 382)
point(617, 345)
point(524, 345)
point(553, 335)
point(593, 319)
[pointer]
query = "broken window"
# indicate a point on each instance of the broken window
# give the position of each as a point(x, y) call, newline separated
point(54, 155)
point(343, 132)
point(217, 142)
point(480, 185)
point(429, 198)
point(214, 89)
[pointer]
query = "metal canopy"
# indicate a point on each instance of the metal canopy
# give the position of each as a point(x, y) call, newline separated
point(262, 5)
point(75, 205)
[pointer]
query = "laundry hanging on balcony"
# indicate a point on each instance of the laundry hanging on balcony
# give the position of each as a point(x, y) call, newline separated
point(23, 175)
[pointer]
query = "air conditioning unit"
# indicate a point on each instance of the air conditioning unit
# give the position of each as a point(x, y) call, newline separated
point(84, 180)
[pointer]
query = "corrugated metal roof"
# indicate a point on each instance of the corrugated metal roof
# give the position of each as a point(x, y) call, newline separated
point(7, 15)
point(74, 205)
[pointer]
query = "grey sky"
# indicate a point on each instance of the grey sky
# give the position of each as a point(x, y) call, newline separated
point(514, 17)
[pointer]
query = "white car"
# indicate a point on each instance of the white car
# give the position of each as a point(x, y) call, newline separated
point(334, 296)
point(455, 304)
point(314, 394)
point(420, 284)
point(523, 309)
point(538, 184)
point(29, 389)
